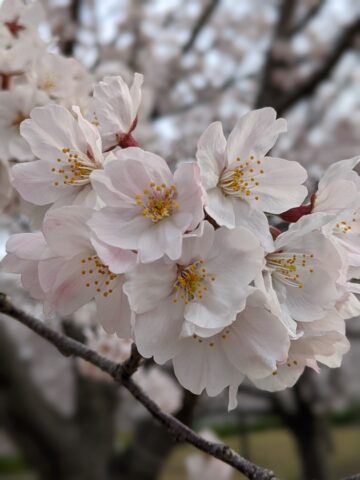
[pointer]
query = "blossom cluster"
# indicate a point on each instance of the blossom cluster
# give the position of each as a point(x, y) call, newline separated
point(30, 76)
point(217, 266)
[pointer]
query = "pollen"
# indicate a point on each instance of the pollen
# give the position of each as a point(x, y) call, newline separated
point(157, 201)
point(291, 268)
point(96, 274)
point(77, 167)
point(241, 180)
point(344, 227)
point(191, 283)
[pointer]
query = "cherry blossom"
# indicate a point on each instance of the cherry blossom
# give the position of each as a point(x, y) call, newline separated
point(252, 345)
point(67, 270)
point(64, 80)
point(322, 341)
point(18, 19)
point(339, 187)
point(15, 107)
point(241, 181)
point(196, 292)
point(115, 109)
point(69, 151)
point(148, 208)
point(302, 272)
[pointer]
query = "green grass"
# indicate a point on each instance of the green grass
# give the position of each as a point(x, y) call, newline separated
point(275, 449)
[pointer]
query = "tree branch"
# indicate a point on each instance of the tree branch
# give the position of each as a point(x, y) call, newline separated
point(310, 14)
point(307, 87)
point(121, 373)
point(200, 24)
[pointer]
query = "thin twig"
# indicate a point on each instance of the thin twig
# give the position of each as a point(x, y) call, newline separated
point(121, 373)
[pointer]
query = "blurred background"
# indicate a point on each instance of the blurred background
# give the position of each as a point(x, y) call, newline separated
point(203, 60)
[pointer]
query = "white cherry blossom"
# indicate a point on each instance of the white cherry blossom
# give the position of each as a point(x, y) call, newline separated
point(214, 359)
point(15, 107)
point(69, 151)
point(115, 109)
point(63, 268)
point(64, 80)
point(241, 181)
point(302, 272)
point(148, 208)
point(322, 341)
point(19, 19)
point(204, 289)
point(339, 187)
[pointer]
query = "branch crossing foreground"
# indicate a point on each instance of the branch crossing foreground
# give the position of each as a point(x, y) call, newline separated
point(121, 373)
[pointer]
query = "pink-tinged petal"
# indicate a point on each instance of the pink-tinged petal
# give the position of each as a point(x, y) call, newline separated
point(257, 340)
point(254, 220)
point(48, 270)
point(211, 313)
point(198, 246)
point(117, 259)
point(156, 279)
point(69, 291)
point(29, 246)
point(280, 186)
point(102, 184)
point(211, 155)
point(189, 192)
point(336, 196)
point(342, 170)
point(135, 91)
point(283, 377)
point(114, 311)
point(254, 134)
point(30, 281)
point(13, 264)
point(157, 331)
point(119, 228)
point(92, 135)
point(311, 302)
point(220, 208)
point(202, 364)
point(36, 183)
point(66, 231)
point(50, 129)
point(158, 240)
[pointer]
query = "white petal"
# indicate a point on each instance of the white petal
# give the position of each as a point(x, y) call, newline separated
point(211, 155)
point(255, 133)
point(114, 312)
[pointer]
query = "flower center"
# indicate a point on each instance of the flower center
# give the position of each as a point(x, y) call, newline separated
point(97, 274)
point(344, 226)
point(192, 282)
point(47, 83)
point(76, 167)
point(158, 201)
point(289, 267)
point(20, 117)
point(241, 179)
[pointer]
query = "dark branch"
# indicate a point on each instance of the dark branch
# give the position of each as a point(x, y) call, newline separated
point(306, 19)
point(121, 373)
point(200, 24)
point(307, 87)
point(74, 11)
